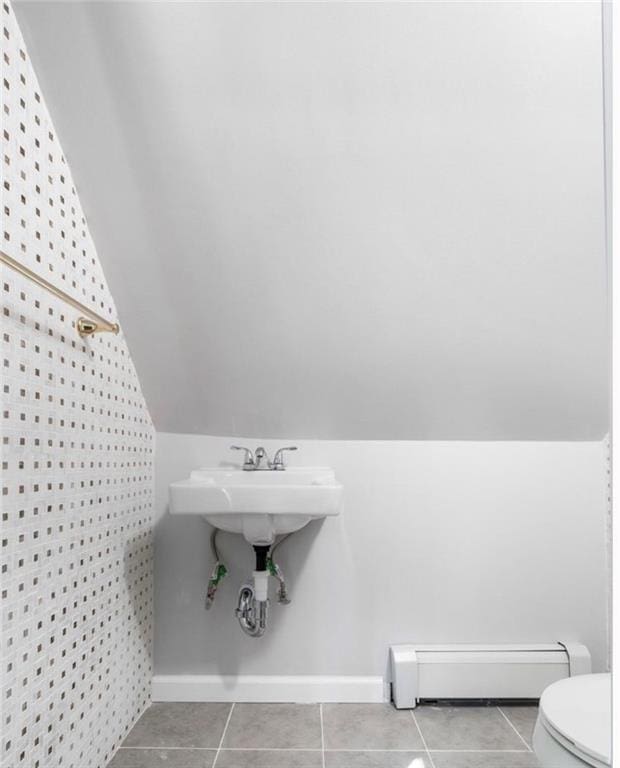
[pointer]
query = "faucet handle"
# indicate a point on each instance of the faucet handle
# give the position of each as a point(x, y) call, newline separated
point(248, 459)
point(278, 459)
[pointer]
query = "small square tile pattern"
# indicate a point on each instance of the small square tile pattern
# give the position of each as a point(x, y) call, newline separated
point(77, 466)
point(330, 736)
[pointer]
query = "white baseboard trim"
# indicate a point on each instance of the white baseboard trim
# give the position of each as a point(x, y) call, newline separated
point(270, 688)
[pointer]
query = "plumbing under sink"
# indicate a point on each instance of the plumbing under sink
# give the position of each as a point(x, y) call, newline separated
point(259, 505)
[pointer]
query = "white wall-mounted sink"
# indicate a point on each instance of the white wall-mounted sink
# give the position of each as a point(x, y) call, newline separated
point(260, 505)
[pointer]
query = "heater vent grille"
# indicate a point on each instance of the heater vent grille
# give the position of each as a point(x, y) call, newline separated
point(514, 671)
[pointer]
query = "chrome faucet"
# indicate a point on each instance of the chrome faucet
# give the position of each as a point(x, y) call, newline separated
point(278, 459)
point(248, 461)
point(259, 455)
point(252, 462)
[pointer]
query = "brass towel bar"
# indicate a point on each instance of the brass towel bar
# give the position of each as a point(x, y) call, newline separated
point(86, 326)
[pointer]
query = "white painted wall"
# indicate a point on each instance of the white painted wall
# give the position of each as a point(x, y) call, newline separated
point(439, 542)
point(345, 220)
point(359, 220)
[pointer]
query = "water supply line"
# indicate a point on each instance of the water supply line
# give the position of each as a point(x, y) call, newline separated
point(253, 602)
point(217, 574)
point(275, 570)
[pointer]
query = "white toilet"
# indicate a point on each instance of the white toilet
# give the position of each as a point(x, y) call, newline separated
point(573, 729)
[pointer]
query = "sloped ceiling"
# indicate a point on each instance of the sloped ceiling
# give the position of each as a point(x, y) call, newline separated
point(344, 220)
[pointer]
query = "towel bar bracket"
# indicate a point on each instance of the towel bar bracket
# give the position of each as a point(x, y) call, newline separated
point(86, 325)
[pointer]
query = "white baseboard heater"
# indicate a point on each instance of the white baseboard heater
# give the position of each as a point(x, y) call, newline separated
point(481, 671)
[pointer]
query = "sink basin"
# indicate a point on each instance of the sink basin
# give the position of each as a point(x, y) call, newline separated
point(260, 505)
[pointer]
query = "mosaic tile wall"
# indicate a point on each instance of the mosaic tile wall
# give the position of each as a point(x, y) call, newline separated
point(77, 468)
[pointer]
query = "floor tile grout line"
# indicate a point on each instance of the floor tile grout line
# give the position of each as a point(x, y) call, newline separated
point(483, 751)
point(415, 720)
point(509, 721)
point(219, 749)
point(317, 749)
point(322, 735)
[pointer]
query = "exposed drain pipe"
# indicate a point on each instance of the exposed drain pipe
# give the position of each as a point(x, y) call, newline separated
point(253, 598)
point(252, 624)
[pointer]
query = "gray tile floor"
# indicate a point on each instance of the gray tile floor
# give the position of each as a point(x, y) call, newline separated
point(329, 736)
